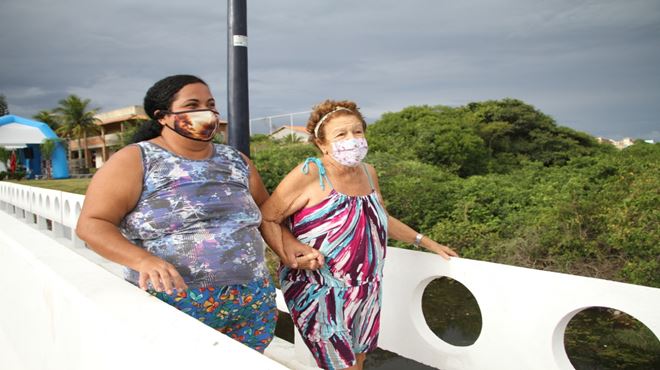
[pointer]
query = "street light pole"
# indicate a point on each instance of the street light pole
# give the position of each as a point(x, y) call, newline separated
point(238, 106)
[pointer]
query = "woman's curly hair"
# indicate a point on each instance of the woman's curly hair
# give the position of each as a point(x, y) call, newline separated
point(327, 107)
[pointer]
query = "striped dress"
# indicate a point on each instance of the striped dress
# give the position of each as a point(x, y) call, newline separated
point(337, 308)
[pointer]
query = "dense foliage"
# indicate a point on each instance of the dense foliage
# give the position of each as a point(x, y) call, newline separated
point(501, 181)
point(4, 108)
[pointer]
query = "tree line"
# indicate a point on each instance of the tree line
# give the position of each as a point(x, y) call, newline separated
point(500, 181)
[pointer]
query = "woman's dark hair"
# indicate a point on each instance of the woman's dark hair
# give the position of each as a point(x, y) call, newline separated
point(159, 97)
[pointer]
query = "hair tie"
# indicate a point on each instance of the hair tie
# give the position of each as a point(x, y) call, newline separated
point(316, 129)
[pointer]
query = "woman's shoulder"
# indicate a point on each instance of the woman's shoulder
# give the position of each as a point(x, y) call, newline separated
point(305, 172)
point(227, 150)
point(123, 166)
point(370, 168)
point(131, 153)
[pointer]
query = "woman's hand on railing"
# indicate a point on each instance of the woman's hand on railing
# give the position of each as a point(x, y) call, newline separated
point(438, 248)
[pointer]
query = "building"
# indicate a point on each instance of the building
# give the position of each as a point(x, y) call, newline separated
point(112, 125)
point(619, 144)
point(292, 133)
point(24, 137)
point(115, 129)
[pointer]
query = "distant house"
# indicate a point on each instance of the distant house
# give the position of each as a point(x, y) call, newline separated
point(111, 125)
point(290, 132)
point(619, 144)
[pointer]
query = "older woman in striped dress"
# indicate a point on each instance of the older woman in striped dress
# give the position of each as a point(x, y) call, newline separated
point(333, 204)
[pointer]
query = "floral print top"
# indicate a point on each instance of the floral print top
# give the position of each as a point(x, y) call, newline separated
point(198, 215)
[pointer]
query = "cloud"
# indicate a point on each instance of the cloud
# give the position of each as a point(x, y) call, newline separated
point(593, 65)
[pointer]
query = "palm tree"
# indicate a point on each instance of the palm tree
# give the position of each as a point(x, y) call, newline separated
point(48, 118)
point(77, 123)
point(4, 109)
point(47, 149)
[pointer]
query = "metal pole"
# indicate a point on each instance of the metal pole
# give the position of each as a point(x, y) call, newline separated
point(238, 106)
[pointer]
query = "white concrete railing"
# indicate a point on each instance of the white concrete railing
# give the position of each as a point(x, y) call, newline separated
point(62, 311)
point(524, 311)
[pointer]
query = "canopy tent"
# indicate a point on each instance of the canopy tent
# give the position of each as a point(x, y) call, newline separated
point(25, 135)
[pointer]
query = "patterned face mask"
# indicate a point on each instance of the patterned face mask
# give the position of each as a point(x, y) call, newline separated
point(196, 124)
point(349, 152)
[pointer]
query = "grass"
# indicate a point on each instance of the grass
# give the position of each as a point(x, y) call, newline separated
point(77, 186)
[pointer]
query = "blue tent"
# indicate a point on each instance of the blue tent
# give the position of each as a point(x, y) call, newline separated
point(25, 136)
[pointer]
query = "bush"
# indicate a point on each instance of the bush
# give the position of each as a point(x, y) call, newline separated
point(276, 161)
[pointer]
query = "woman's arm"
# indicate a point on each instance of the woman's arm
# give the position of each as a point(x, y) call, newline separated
point(276, 235)
point(112, 193)
point(271, 232)
point(289, 197)
point(399, 231)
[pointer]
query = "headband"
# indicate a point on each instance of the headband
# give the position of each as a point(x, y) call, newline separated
point(316, 129)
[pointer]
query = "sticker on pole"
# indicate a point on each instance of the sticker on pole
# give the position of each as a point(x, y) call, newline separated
point(240, 40)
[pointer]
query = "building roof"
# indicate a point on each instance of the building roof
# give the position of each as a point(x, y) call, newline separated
point(16, 132)
point(122, 114)
point(300, 129)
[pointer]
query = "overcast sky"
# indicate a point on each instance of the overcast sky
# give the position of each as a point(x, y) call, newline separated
point(592, 65)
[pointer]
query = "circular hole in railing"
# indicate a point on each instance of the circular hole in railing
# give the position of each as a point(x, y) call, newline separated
point(67, 210)
point(57, 205)
point(451, 312)
point(41, 201)
point(606, 338)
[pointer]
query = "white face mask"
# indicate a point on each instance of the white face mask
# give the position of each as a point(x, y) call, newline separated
point(349, 152)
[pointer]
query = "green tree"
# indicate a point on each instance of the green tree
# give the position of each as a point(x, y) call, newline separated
point(417, 193)
point(500, 181)
point(47, 148)
point(519, 130)
point(48, 118)
point(277, 160)
point(437, 135)
point(78, 123)
point(4, 155)
point(4, 108)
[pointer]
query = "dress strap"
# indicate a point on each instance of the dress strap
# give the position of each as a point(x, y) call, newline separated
point(322, 174)
point(371, 182)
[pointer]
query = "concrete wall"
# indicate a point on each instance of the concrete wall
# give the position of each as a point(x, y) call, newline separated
point(66, 309)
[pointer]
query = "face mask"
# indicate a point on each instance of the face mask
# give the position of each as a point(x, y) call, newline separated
point(349, 152)
point(196, 124)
